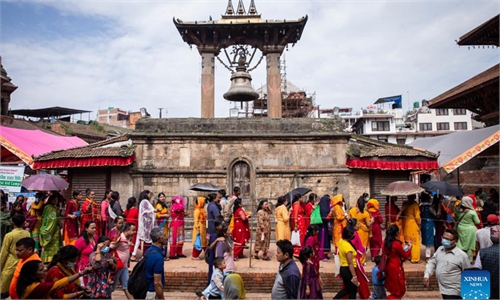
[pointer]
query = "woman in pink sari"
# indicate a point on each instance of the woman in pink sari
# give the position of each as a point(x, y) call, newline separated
point(177, 227)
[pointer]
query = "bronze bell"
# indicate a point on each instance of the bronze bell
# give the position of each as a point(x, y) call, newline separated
point(241, 88)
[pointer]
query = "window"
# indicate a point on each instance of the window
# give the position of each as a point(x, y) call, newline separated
point(425, 126)
point(443, 126)
point(441, 112)
point(401, 141)
point(380, 125)
point(460, 125)
point(459, 111)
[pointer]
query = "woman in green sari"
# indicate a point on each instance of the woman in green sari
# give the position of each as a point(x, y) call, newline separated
point(50, 233)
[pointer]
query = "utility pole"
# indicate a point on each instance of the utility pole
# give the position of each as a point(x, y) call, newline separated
point(160, 111)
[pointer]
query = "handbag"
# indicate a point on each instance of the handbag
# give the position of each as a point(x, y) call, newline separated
point(382, 265)
point(295, 238)
point(336, 266)
point(316, 216)
point(197, 243)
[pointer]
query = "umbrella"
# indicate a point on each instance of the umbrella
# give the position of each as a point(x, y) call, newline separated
point(443, 188)
point(401, 188)
point(298, 191)
point(204, 187)
point(45, 182)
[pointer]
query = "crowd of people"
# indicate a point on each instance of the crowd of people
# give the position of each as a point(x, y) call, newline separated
point(80, 247)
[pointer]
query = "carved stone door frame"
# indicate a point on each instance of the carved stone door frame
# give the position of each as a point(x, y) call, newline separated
point(241, 172)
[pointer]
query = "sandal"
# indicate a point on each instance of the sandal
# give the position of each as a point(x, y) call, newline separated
point(266, 258)
point(256, 257)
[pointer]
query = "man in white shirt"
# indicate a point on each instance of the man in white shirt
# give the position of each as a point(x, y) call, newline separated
point(448, 262)
point(483, 235)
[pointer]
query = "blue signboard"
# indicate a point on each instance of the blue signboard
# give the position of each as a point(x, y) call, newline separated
point(396, 99)
point(475, 284)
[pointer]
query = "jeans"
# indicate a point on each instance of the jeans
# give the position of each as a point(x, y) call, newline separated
point(121, 275)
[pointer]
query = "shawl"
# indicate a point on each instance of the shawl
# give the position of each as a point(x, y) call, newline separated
point(234, 287)
point(467, 202)
point(146, 220)
point(324, 206)
point(179, 201)
point(336, 199)
point(372, 205)
point(201, 207)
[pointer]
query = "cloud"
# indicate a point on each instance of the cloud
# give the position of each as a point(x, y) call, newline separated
point(128, 54)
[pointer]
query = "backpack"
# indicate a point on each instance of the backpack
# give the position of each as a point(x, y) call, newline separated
point(137, 283)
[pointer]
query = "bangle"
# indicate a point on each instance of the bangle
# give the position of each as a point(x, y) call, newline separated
point(80, 273)
point(354, 277)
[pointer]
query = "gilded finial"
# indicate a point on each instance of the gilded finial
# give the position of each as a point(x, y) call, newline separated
point(230, 8)
point(241, 8)
point(252, 10)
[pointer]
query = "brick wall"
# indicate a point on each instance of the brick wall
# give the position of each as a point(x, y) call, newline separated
point(486, 179)
point(263, 282)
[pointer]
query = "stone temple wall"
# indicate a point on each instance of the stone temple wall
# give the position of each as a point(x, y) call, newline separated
point(278, 154)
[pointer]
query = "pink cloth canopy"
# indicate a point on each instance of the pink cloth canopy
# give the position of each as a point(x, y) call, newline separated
point(26, 144)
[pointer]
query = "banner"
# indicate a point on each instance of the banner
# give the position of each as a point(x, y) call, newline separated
point(10, 178)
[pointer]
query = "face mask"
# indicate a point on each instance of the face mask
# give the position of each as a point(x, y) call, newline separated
point(105, 250)
point(446, 243)
point(70, 265)
point(367, 199)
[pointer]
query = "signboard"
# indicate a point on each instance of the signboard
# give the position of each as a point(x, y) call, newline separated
point(475, 284)
point(371, 107)
point(11, 177)
point(29, 196)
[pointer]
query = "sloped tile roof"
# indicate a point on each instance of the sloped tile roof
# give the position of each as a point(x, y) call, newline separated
point(93, 150)
point(361, 146)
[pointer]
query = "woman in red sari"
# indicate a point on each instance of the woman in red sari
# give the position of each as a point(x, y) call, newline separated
point(177, 227)
point(70, 228)
point(299, 221)
point(132, 216)
point(376, 239)
point(30, 285)
point(395, 281)
point(241, 230)
point(91, 211)
point(63, 265)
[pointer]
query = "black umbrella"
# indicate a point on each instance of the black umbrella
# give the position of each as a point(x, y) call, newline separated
point(443, 188)
point(204, 187)
point(298, 191)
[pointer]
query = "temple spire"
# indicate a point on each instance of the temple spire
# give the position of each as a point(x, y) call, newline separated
point(241, 8)
point(230, 8)
point(252, 10)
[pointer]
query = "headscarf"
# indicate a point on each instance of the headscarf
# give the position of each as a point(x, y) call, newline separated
point(234, 287)
point(201, 207)
point(372, 205)
point(179, 201)
point(467, 202)
point(474, 201)
point(336, 199)
point(324, 206)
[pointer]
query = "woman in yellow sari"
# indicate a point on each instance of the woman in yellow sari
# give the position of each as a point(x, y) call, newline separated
point(365, 223)
point(339, 219)
point(199, 226)
point(162, 216)
point(411, 227)
point(282, 217)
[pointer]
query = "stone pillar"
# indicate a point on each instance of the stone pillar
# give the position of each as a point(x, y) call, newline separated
point(273, 85)
point(207, 85)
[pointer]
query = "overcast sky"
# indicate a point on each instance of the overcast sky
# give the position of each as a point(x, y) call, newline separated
point(128, 54)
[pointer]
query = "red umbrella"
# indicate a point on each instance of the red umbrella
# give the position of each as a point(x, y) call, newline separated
point(44, 182)
point(401, 188)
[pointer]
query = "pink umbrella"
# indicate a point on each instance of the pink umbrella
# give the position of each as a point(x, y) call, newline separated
point(401, 188)
point(44, 182)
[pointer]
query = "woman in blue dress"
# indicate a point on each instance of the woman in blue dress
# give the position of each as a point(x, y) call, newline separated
point(427, 214)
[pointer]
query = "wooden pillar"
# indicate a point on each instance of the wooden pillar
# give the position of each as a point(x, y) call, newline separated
point(207, 85)
point(273, 85)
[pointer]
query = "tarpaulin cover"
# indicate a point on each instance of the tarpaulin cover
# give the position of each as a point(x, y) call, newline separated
point(458, 147)
point(25, 144)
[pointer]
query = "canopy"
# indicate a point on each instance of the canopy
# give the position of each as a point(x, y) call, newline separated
point(25, 144)
point(459, 147)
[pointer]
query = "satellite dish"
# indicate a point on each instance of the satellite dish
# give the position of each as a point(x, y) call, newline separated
point(336, 111)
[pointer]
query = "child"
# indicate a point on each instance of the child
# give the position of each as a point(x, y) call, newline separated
point(378, 279)
point(215, 290)
point(310, 287)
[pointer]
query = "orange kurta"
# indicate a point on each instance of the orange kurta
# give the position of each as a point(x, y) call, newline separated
point(339, 219)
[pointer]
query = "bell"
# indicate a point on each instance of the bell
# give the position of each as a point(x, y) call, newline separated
point(241, 90)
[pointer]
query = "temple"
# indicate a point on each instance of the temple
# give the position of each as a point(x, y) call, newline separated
point(239, 27)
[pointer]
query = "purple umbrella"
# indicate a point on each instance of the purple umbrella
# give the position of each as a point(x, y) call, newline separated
point(44, 182)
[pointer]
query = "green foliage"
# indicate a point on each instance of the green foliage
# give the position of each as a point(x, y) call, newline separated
point(96, 126)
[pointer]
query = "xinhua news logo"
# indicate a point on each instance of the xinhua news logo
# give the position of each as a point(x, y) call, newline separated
point(475, 284)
